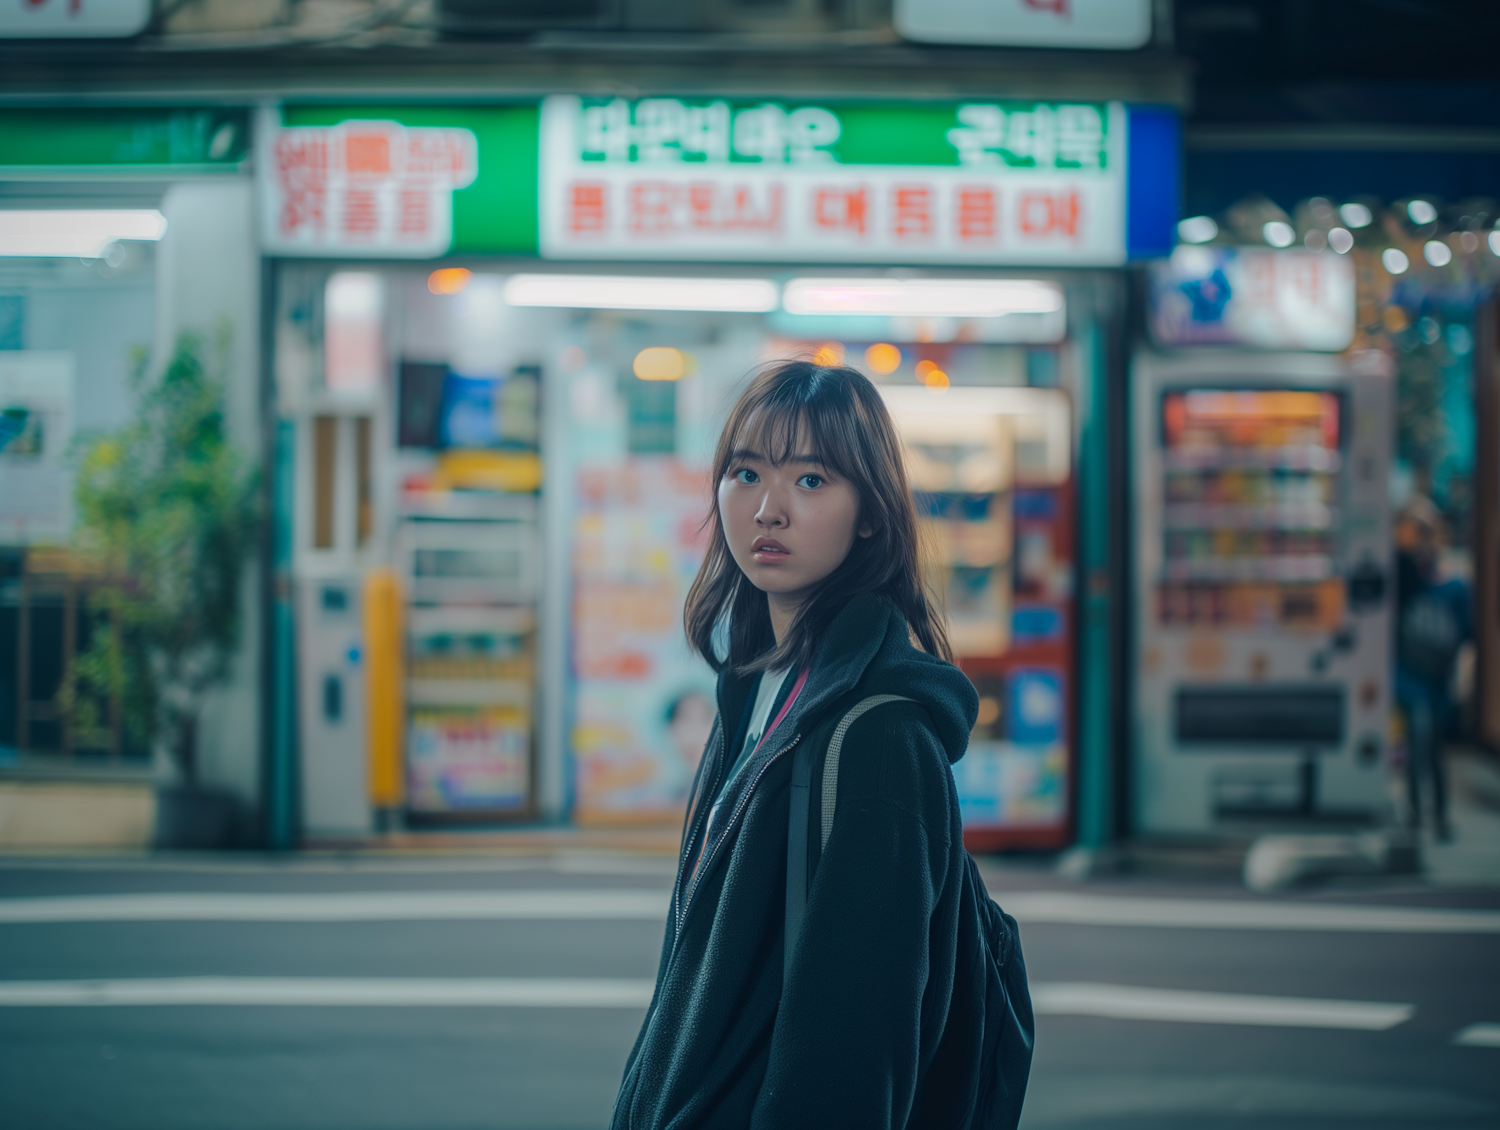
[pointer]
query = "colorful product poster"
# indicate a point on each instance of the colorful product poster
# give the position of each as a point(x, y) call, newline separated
point(1007, 785)
point(468, 758)
point(1015, 772)
point(643, 704)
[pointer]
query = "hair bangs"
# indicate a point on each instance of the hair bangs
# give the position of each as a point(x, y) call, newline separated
point(790, 421)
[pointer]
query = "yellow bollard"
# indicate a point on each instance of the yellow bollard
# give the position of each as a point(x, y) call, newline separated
point(384, 649)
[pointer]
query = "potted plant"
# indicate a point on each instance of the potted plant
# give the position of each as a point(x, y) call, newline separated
point(168, 510)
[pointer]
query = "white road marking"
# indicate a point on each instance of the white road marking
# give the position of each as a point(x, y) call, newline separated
point(422, 992)
point(1066, 908)
point(1129, 1002)
point(342, 906)
point(1121, 1002)
point(1030, 907)
point(1479, 1036)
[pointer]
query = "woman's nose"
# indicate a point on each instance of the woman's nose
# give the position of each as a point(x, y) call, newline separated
point(770, 513)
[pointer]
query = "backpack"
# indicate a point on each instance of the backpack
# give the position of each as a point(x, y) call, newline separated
point(990, 1024)
point(1429, 637)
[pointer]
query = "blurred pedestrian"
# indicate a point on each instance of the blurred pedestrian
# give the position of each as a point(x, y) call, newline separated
point(1433, 619)
point(832, 958)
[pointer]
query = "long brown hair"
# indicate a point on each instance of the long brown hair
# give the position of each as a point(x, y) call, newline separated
point(839, 415)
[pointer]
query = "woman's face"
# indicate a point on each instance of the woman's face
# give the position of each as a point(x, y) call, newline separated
point(787, 526)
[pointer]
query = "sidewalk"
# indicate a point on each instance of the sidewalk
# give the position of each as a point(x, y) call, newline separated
point(1472, 857)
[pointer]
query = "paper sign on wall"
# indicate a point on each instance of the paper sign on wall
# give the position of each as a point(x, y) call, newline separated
point(362, 188)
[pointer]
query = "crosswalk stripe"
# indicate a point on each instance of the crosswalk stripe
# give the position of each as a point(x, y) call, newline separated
point(1129, 1002)
point(399, 992)
point(1067, 908)
point(1030, 907)
point(343, 906)
point(1120, 1002)
point(1479, 1036)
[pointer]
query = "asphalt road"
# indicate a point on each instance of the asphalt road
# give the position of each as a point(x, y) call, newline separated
point(549, 1053)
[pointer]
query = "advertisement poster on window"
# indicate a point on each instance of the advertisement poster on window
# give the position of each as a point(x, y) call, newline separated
point(644, 704)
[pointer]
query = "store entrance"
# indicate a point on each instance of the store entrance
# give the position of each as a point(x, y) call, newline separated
point(538, 481)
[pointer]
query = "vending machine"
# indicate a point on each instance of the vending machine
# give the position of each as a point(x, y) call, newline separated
point(991, 469)
point(1263, 588)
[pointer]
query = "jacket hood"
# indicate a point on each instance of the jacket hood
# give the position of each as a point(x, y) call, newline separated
point(868, 646)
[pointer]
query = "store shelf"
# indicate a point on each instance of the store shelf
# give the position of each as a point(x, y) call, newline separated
point(468, 692)
point(1303, 567)
point(470, 620)
point(471, 506)
point(1257, 516)
point(1308, 457)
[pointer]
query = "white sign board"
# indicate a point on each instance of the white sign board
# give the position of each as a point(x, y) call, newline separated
point(362, 188)
point(661, 178)
point(1122, 25)
point(57, 19)
point(1260, 297)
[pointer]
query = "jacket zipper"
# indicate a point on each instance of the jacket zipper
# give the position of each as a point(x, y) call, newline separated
point(692, 838)
point(733, 819)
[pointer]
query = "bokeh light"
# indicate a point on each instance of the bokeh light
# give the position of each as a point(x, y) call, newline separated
point(1197, 229)
point(829, 353)
point(1356, 215)
point(1278, 233)
point(660, 363)
point(449, 280)
point(883, 358)
point(1421, 211)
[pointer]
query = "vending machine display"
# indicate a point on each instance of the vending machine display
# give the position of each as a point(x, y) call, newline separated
point(1262, 560)
point(469, 737)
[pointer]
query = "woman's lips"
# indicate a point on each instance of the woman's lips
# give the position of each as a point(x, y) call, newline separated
point(769, 551)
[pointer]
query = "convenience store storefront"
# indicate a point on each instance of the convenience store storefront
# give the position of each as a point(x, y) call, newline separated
point(502, 338)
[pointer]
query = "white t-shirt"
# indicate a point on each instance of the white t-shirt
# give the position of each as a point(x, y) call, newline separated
point(760, 718)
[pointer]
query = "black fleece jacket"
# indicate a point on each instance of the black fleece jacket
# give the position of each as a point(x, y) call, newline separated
point(858, 1029)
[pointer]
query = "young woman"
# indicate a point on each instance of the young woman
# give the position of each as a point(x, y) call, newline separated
point(809, 602)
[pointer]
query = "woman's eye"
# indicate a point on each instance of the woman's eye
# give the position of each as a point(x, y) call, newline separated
point(811, 482)
point(745, 475)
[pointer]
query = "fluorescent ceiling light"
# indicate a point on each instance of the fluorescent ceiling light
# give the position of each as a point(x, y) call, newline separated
point(917, 298)
point(85, 234)
point(618, 292)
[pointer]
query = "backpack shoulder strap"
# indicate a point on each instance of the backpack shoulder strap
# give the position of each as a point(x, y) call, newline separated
point(836, 748)
point(796, 833)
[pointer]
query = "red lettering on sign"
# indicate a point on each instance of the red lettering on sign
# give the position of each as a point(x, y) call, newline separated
point(361, 216)
point(978, 211)
point(1056, 7)
point(414, 211)
point(368, 153)
point(666, 207)
point(651, 206)
point(1043, 214)
point(586, 207)
point(911, 212)
point(840, 208)
point(302, 168)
